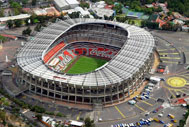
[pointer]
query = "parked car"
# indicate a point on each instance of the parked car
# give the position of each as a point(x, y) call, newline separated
point(160, 115)
point(171, 116)
point(132, 102)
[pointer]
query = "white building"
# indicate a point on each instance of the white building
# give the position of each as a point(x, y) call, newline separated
point(21, 16)
point(65, 4)
point(82, 11)
point(102, 11)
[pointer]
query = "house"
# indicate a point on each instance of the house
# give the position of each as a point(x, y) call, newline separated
point(65, 4)
point(155, 18)
point(21, 16)
point(100, 12)
point(149, 5)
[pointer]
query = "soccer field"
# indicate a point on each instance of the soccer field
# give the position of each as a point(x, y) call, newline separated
point(86, 64)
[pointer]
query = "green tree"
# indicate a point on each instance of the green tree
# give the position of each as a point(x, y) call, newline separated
point(24, 2)
point(74, 14)
point(89, 122)
point(1, 3)
point(159, 9)
point(121, 18)
point(84, 4)
point(34, 2)
point(109, 2)
point(1, 12)
point(3, 117)
point(10, 24)
point(35, 108)
point(169, 13)
point(118, 8)
point(3, 39)
point(27, 21)
point(39, 117)
point(16, 11)
point(15, 5)
point(38, 27)
point(33, 19)
point(18, 22)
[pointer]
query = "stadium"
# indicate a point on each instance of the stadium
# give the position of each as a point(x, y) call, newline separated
point(86, 61)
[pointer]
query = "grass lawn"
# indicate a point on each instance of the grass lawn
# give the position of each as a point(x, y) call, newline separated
point(136, 21)
point(86, 64)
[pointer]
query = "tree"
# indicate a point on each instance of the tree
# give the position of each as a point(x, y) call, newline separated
point(3, 39)
point(27, 21)
point(24, 2)
point(1, 3)
point(3, 117)
point(132, 22)
point(167, 26)
point(34, 2)
point(36, 108)
point(2, 12)
point(121, 19)
point(169, 13)
point(118, 8)
point(33, 19)
point(41, 18)
point(28, 32)
point(61, 16)
point(84, 5)
point(10, 23)
point(15, 5)
point(18, 22)
point(16, 11)
point(159, 9)
point(38, 27)
point(39, 117)
point(74, 14)
point(89, 122)
point(109, 2)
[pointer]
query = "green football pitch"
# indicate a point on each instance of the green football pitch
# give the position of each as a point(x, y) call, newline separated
point(86, 64)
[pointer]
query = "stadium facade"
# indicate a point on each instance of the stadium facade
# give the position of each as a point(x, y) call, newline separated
point(128, 48)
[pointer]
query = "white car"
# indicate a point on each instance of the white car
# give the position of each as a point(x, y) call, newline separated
point(150, 88)
point(151, 85)
point(132, 102)
point(160, 115)
point(147, 90)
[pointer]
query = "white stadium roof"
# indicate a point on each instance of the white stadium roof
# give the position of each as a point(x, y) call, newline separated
point(131, 57)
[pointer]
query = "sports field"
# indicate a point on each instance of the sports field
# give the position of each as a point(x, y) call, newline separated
point(86, 64)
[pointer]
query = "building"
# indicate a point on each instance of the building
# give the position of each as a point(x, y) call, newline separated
point(66, 4)
point(21, 16)
point(128, 48)
point(100, 12)
point(50, 11)
point(82, 11)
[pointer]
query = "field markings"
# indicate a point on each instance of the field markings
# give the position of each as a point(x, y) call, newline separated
point(172, 93)
point(169, 53)
point(140, 108)
point(78, 116)
point(160, 50)
point(181, 91)
point(176, 58)
point(146, 103)
point(153, 98)
point(119, 112)
point(170, 62)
